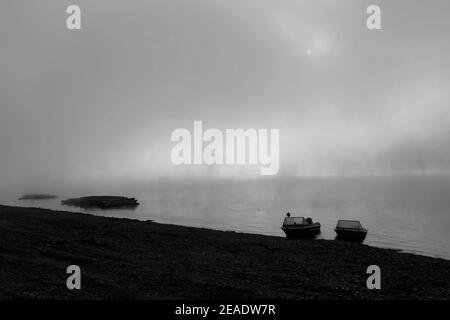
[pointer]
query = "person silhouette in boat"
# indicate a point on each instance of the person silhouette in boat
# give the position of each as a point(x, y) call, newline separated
point(289, 215)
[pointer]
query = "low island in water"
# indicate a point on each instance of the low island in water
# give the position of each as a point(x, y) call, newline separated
point(37, 196)
point(131, 259)
point(102, 202)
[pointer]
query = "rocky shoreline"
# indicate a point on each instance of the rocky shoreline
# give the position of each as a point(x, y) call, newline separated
point(130, 259)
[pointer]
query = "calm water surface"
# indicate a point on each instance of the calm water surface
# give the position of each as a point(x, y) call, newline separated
point(408, 213)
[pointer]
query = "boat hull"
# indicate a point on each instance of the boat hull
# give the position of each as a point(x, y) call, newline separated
point(350, 235)
point(301, 231)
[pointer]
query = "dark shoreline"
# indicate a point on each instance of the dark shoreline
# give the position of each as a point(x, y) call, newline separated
point(131, 259)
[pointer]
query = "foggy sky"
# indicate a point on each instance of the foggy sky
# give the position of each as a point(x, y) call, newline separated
point(102, 102)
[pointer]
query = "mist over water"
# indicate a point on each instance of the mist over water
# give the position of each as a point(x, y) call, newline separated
point(103, 101)
point(410, 213)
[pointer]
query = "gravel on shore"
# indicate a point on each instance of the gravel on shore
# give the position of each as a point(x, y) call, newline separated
point(131, 259)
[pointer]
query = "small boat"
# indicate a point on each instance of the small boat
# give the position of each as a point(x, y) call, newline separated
point(300, 227)
point(350, 230)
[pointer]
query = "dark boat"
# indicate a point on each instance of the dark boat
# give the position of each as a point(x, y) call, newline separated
point(350, 230)
point(300, 227)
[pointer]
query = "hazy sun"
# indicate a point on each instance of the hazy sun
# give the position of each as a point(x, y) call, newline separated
point(304, 38)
